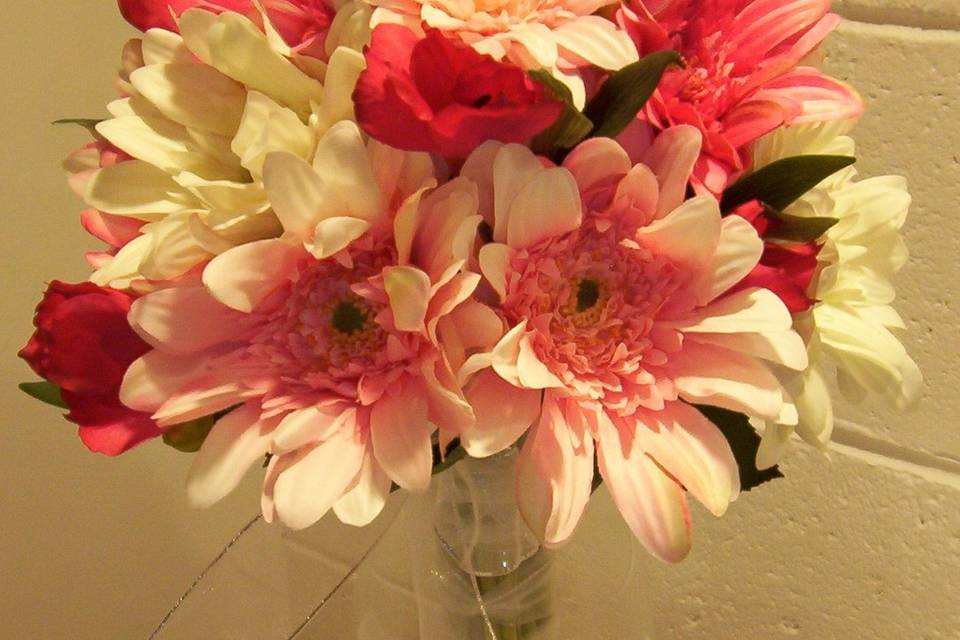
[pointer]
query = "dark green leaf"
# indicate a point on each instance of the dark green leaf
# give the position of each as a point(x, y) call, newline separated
point(569, 129)
point(797, 228)
point(189, 436)
point(454, 454)
point(779, 184)
point(745, 442)
point(44, 392)
point(89, 124)
point(625, 93)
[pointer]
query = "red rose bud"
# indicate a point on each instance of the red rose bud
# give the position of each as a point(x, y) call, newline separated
point(84, 344)
point(429, 94)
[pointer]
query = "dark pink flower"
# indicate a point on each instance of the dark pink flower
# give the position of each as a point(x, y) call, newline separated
point(429, 94)
point(303, 24)
point(742, 78)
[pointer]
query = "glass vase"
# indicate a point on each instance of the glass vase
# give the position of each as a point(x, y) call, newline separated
point(478, 571)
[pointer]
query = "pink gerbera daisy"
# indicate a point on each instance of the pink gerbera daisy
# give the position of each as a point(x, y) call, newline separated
point(742, 78)
point(615, 292)
point(321, 343)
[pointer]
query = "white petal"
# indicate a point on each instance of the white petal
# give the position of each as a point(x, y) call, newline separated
point(341, 159)
point(598, 41)
point(336, 234)
point(494, 261)
point(514, 166)
point(194, 95)
point(672, 156)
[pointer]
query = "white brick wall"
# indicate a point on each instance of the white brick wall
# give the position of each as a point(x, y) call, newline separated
point(865, 545)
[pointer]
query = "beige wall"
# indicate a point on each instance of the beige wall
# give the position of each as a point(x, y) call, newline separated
point(865, 545)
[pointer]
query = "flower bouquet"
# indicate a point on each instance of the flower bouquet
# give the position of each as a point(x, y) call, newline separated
point(355, 242)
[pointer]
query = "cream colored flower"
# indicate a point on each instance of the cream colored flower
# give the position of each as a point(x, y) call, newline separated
point(851, 324)
point(203, 111)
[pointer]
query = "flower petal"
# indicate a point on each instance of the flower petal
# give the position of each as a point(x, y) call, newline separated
point(409, 291)
point(503, 413)
point(242, 277)
point(400, 434)
point(653, 505)
point(235, 443)
point(547, 206)
point(317, 479)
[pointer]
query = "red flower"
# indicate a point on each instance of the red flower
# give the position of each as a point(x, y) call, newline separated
point(433, 95)
point(303, 24)
point(786, 269)
point(84, 345)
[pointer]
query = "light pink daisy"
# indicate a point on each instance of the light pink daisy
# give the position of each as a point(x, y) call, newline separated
point(558, 35)
point(742, 78)
point(324, 339)
point(614, 290)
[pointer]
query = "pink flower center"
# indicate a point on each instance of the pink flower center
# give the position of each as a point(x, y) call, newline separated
point(330, 326)
point(592, 300)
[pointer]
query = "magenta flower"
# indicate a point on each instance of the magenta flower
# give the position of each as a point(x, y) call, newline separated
point(742, 78)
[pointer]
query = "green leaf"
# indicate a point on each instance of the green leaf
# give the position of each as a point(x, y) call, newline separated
point(569, 129)
point(44, 392)
point(781, 183)
point(189, 436)
point(625, 93)
point(744, 442)
point(798, 228)
point(90, 124)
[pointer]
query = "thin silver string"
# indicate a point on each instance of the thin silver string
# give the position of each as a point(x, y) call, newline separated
point(203, 574)
point(342, 581)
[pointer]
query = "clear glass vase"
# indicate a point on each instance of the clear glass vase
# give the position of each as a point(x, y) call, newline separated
point(478, 571)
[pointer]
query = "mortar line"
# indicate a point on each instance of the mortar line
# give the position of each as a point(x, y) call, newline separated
point(854, 441)
point(892, 17)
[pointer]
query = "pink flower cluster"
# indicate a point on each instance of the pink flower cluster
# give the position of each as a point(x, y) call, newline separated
point(423, 273)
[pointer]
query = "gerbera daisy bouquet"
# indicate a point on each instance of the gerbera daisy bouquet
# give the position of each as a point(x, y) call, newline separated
point(350, 243)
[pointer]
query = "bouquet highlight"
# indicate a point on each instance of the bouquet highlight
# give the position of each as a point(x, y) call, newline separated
point(353, 241)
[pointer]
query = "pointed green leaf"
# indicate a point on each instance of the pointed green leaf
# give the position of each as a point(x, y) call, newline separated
point(744, 442)
point(44, 392)
point(569, 129)
point(189, 436)
point(781, 183)
point(90, 124)
point(797, 228)
point(625, 93)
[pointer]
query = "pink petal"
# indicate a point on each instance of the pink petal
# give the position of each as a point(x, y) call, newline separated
point(672, 158)
point(653, 505)
point(547, 206)
point(362, 504)
point(244, 276)
point(400, 433)
point(688, 235)
point(694, 451)
point(554, 477)
point(409, 291)
point(595, 160)
point(316, 479)
point(183, 319)
point(706, 374)
point(503, 414)
point(235, 443)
